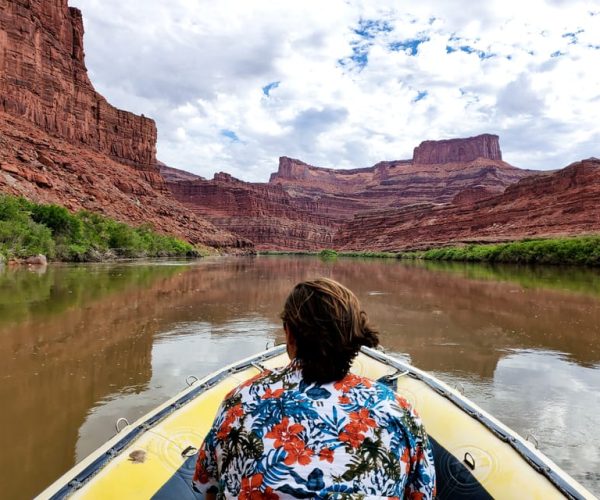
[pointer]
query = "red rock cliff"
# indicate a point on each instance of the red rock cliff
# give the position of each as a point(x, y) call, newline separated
point(303, 207)
point(43, 78)
point(264, 214)
point(562, 203)
point(61, 142)
point(458, 150)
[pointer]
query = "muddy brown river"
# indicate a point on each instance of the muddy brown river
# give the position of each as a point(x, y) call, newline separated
point(82, 345)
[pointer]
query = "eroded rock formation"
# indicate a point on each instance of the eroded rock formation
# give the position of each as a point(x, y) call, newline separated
point(43, 78)
point(61, 142)
point(458, 150)
point(263, 213)
point(303, 207)
point(562, 203)
point(51, 170)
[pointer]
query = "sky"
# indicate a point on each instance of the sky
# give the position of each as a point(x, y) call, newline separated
point(235, 84)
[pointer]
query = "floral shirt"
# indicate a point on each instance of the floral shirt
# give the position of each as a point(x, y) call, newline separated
point(277, 437)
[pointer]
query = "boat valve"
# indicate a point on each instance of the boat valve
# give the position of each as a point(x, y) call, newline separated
point(121, 420)
point(469, 461)
point(533, 440)
point(189, 451)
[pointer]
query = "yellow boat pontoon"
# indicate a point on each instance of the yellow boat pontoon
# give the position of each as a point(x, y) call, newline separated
point(476, 456)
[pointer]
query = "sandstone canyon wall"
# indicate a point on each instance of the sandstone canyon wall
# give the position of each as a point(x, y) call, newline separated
point(43, 78)
point(61, 142)
point(263, 213)
point(561, 203)
point(304, 207)
point(458, 150)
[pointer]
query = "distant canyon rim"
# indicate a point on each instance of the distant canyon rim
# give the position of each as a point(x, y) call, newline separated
point(62, 142)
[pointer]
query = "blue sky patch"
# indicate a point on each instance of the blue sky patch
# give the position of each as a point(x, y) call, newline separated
point(360, 56)
point(230, 134)
point(271, 86)
point(572, 36)
point(557, 53)
point(411, 45)
point(369, 28)
point(468, 50)
point(421, 94)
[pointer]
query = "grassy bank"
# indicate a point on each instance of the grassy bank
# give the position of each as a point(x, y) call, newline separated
point(28, 229)
point(584, 250)
point(578, 251)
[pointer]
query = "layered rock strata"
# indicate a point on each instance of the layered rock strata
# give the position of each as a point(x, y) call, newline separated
point(458, 150)
point(562, 203)
point(262, 213)
point(46, 169)
point(392, 183)
point(303, 207)
point(171, 174)
point(61, 142)
point(43, 79)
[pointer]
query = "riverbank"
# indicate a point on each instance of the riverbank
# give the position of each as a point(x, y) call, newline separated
point(29, 229)
point(579, 251)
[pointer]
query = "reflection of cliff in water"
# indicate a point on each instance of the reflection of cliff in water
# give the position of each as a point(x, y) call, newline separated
point(449, 323)
point(444, 321)
point(75, 337)
point(72, 338)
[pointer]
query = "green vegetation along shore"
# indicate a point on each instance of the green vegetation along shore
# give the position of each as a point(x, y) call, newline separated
point(28, 229)
point(583, 250)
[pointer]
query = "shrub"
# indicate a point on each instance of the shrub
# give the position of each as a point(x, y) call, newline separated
point(25, 238)
point(27, 229)
point(328, 254)
point(578, 251)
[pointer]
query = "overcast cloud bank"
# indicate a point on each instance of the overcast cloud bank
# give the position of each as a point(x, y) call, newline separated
point(235, 84)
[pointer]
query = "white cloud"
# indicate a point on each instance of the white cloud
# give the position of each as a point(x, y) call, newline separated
point(359, 81)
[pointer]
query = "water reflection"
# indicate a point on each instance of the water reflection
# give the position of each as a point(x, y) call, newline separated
point(81, 346)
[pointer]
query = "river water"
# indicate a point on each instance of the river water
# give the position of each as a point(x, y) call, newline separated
point(82, 345)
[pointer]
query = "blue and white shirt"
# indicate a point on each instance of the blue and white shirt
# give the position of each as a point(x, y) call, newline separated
point(277, 437)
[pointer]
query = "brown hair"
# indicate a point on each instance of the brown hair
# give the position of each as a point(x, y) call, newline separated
point(329, 328)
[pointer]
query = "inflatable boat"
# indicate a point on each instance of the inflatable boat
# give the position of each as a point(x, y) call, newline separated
point(476, 456)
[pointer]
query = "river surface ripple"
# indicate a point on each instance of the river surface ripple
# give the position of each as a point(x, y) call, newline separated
point(82, 345)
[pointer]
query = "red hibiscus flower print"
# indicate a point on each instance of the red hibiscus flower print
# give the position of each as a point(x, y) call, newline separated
point(362, 419)
point(224, 431)
point(352, 435)
point(326, 454)
point(200, 474)
point(251, 489)
point(269, 494)
point(283, 434)
point(402, 402)
point(297, 451)
point(269, 394)
point(348, 382)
